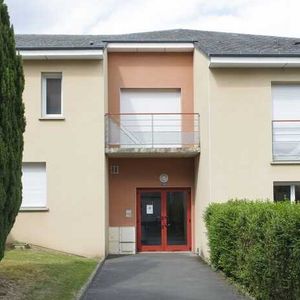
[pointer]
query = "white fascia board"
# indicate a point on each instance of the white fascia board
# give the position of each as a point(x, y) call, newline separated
point(61, 54)
point(150, 47)
point(254, 62)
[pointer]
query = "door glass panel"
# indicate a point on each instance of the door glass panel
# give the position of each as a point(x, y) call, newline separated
point(177, 218)
point(151, 218)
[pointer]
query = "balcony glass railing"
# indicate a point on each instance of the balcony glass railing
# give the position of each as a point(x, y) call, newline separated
point(159, 130)
point(286, 140)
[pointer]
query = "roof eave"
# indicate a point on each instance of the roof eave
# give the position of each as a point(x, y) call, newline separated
point(72, 54)
point(254, 61)
point(150, 47)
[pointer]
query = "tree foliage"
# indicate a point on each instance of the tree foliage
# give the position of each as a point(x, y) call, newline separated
point(12, 125)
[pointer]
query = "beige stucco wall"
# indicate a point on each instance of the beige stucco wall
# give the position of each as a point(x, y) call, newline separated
point(235, 108)
point(106, 161)
point(241, 133)
point(73, 150)
point(202, 164)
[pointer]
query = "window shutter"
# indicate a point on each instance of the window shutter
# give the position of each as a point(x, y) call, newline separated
point(286, 102)
point(34, 185)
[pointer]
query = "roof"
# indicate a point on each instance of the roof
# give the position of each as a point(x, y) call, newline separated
point(210, 43)
point(49, 41)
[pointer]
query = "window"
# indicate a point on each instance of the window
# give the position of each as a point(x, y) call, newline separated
point(52, 95)
point(287, 192)
point(286, 122)
point(114, 169)
point(34, 185)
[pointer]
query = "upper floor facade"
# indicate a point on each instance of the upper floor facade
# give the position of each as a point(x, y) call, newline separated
point(148, 91)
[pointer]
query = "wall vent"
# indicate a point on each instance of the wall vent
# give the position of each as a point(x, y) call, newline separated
point(114, 169)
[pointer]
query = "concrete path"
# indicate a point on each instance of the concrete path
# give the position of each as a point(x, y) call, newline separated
point(159, 277)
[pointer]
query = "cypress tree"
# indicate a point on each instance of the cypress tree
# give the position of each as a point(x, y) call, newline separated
point(12, 126)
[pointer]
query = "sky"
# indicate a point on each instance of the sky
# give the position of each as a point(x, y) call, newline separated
point(269, 17)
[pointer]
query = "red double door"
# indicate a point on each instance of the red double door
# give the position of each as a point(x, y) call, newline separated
point(163, 219)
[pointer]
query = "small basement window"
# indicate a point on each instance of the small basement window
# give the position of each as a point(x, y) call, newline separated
point(114, 169)
point(286, 192)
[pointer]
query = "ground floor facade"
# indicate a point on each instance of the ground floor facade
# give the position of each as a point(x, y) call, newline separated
point(125, 205)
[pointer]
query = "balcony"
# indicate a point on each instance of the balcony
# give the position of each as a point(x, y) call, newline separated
point(158, 134)
point(286, 140)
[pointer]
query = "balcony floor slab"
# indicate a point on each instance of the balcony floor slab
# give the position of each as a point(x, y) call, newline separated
point(153, 152)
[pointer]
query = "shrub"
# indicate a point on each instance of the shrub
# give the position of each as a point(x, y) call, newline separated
point(258, 245)
point(12, 126)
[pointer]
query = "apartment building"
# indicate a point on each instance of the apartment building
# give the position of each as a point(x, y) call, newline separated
point(130, 137)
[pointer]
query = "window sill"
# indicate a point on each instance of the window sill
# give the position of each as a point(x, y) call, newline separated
point(34, 209)
point(279, 163)
point(52, 119)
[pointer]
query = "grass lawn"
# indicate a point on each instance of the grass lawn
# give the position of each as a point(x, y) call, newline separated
point(42, 274)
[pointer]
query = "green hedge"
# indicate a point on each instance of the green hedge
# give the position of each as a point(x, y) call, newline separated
point(258, 245)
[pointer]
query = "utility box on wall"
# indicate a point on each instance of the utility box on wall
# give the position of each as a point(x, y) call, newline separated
point(122, 240)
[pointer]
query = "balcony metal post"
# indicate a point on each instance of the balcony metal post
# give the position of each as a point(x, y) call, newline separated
point(272, 125)
point(107, 129)
point(198, 129)
point(152, 130)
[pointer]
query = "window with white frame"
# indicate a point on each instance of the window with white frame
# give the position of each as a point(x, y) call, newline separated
point(34, 181)
point(284, 191)
point(286, 122)
point(52, 95)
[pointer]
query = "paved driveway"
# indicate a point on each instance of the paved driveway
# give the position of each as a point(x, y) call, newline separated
point(159, 276)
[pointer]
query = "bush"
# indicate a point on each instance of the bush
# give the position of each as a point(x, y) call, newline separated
point(258, 245)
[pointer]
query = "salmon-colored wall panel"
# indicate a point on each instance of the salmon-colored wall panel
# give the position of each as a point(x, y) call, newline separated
point(143, 173)
point(150, 70)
